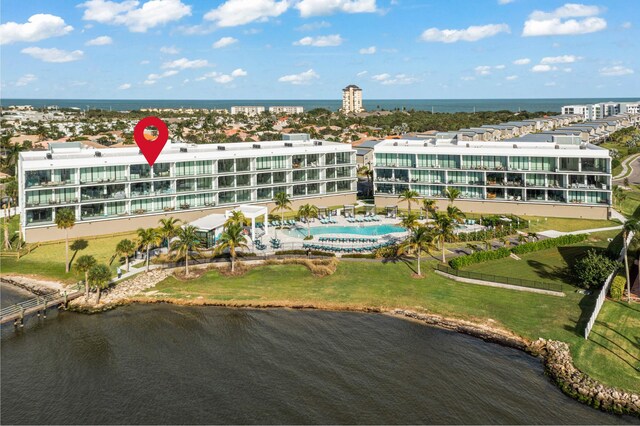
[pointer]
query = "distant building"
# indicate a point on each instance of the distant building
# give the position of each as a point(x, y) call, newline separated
point(248, 110)
point(286, 109)
point(602, 110)
point(352, 99)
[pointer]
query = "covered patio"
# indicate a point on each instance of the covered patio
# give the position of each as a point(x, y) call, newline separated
point(252, 212)
point(209, 228)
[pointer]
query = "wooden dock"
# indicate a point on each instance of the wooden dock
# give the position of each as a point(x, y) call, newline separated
point(38, 305)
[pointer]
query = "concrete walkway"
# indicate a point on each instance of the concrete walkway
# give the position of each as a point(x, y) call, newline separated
point(627, 165)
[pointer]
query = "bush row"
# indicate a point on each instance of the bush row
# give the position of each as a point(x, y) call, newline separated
point(304, 252)
point(502, 252)
point(360, 256)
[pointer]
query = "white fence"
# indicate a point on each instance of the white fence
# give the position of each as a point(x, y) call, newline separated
point(603, 292)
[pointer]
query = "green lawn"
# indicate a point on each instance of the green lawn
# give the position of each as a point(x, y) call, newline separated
point(390, 285)
point(14, 225)
point(552, 265)
point(48, 259)
point(539, 224)
point(631, 205)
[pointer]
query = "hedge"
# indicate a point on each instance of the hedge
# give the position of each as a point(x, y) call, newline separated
point(359, 256)
point(564, 240)
point(502, 252)
point(304, 252)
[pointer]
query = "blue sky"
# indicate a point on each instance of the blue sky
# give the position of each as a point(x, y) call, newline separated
point(311, 49)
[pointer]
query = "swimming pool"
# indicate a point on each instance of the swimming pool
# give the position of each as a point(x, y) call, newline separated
point(372, 230)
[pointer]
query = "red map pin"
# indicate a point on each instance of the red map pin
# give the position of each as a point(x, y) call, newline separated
point(151, 148)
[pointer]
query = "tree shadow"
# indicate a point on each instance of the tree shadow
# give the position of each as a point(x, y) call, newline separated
point(547, 272)
point(586, 305)
point(635, 344)
point(635, 367)
point(76, 246)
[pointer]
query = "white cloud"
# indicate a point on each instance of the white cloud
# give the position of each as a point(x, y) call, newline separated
point(184, 63)
point(361, 73)
point(223, 78)
point(169, 50)
point(523, 61)
point(367, 50)
point(615, 70)
point(483, 70)
point(144, 62)
point(627, 25)
point(302, 78)
point(224, 42)
point(240, 12)
point(500, 67)
point(327, 7)
point(38, 27)
point(26, 80)
point(137, 19)
point(505, 1)
point(153, 78)
point(467, 78)
point(311, 26)
point(564, 59)
point(320, 41)
point(124, 86)
point(511, 77)
point(473, 33)
point(562, 21)
point(398, 79)
point(543, 68)
point(100, 41)
point(53, 54)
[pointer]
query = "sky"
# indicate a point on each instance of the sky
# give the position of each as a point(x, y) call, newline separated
point(311, 49)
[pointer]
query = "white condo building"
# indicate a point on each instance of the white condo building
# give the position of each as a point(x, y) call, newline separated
point(563, 177)
point(115, 190)
point(247, 110)
point(283, 109)
point(601, 110)
point(352, 99)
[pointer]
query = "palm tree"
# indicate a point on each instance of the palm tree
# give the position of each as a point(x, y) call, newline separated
point(631, 225)
point(146, 238)
point(236, 216)
point(187, 242)
point(410, 196)
point(420, 239)
point(452, 194)
point(522, 238)
point(11, 190)
point(455, 213)
point(65, 219)
point(618, 195)
point(168, 229)
point(472, 247)
point(308, 211)
point(409, 221)
point(84, 264)
point(533, 236)
point(231, 239)
point(126, 248)
point(444, 230)
point(100, 275)
point(283, 202)
point(505, 242)
point(429, 206)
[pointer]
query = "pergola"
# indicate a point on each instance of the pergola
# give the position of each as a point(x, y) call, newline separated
point(349, 209)
point(370, 209)
point(252, 212)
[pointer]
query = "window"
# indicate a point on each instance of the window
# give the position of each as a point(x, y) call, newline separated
point(162, 187)
point(115, 191)
point(263, 163)
point(343, 157)
point(427, 160)
point(313, 188)
point(472, 162)
point(91, 210)
point(92, 193)
point(493, 162)
point(226, 181)
point(299, 176)
point(244, 195)
point(312, 160)
point(204, 167)
point(163, 203)
point(36, 198)
point(243, 165)
point(386, 160)
point(279, 162)
point(519, 163)
point(298, 161)
point(64, 175)
point(91, 174)
point(535, 179)
point(141, 206)
point(140, 189)
point(185, 185)
point(264, 178)
point(406, 160)
point(66, 195)
point(543, 163)
point(330, 159)
point(204, 183)
point(264, 194)
point(331, 187)
point(299, 190)
point(186, 169)
point(161, 170)
point(313, 174)
point(115, 173)
point(344, 185)
point(570, 164)
point(117, 208)
point(140, 171)
point(449, 161)
point(279, 177)
point(243, 180)
point(225, 166)
point(227, 197)
point(39, 215)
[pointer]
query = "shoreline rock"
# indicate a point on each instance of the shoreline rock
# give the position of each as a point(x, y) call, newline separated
point(34, 286)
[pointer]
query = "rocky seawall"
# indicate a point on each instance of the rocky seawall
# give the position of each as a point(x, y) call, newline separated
point(557, 360)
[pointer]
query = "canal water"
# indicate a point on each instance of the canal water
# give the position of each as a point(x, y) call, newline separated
point(159, 364)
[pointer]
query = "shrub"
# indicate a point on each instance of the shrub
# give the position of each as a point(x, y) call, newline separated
point(359, 256)
point(388, 252)
point(304, 253)
point(318, 267)
point(479, 257)
point(617, 287)
point(549, 243)
point(593, 269)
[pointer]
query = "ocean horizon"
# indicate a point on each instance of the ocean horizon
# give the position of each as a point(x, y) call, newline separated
point(435, 105)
